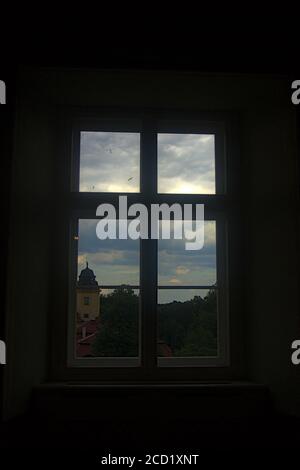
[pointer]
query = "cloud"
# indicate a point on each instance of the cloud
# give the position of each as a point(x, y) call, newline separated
point(196, 267)
point(182, 270)
point(186, 163)
point(104, 257)
point(81, 260)
point(174, 280)
point(111, 268)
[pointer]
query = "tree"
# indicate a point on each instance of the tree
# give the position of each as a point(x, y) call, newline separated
point(190, 327)
point(117, 334)
point(201, 337)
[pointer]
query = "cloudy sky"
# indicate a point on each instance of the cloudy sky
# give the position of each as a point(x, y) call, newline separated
point(186, 164)
point(109, 161)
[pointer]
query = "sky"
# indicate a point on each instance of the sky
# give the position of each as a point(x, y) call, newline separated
point(186, 164)
point(109, 161)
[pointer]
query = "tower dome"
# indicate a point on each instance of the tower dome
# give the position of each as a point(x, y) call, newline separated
point(87, 278)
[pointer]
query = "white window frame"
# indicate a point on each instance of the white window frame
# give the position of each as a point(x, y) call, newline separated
point(83, 206)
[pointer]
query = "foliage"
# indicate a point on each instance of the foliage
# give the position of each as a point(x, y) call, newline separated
point(118, 330)
point(189, 328)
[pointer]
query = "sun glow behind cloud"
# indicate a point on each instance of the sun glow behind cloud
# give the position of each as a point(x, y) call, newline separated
point(186, 163)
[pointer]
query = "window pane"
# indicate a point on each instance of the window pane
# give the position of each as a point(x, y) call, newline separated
point(178, 266)
point(187, 323)
point(107, 320)
point(115, 330)
point(109, 162)
point(186, 163)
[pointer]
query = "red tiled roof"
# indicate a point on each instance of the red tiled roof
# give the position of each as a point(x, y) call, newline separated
point(84, 345)
point(91, 325)
point(83, 350)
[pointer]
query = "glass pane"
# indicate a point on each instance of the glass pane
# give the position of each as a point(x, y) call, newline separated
point(109, 162)
point(186, 163)
point(178, 266)
point(114, 332)
point(107, 320)
point(187, 323)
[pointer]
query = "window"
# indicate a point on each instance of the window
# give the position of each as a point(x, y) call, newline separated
point(86, 301)
point(153, 305)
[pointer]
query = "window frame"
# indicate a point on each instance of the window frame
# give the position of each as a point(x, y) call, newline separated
point(220, 207)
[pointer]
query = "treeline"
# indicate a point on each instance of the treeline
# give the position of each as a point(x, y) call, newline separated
point(187, 328)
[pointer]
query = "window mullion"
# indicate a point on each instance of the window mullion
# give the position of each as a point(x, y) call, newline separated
point(148, 268)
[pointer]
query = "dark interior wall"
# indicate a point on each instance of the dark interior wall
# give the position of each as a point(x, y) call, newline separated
point(272, 315)
point(6, 149)
point(270, 199)
point(29, 254)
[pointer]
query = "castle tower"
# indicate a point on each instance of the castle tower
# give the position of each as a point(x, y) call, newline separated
point(88, 296)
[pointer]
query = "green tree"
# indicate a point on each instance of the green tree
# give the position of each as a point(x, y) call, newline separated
point(189, 328)
point(201, 336)
point(117, 334)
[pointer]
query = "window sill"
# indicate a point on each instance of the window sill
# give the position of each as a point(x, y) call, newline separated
point(150, 401)
point(203, 385)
